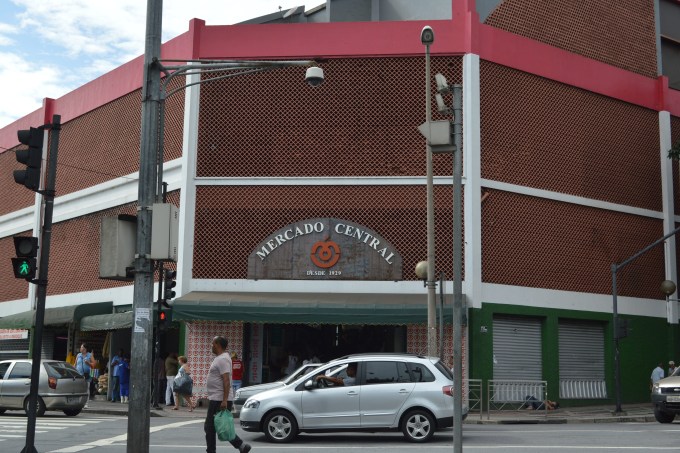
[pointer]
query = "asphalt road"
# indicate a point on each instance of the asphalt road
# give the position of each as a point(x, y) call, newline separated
point(61, 434)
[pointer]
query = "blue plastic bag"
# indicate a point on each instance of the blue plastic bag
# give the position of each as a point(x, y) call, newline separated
point(224, 426)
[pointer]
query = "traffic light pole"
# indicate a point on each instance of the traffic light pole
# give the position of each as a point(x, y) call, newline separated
point(142, 331)
point(42, 284)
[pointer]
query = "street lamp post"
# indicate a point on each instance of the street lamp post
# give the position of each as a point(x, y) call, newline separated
point(427, 38)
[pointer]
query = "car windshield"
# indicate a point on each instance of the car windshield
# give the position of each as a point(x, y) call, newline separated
point(676, 372)
point(304, 369)
point(61, 370)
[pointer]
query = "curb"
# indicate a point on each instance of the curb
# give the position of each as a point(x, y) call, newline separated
point(564, 420)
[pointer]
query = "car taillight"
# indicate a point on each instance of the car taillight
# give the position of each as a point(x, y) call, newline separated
point(52, 382)
point(447, 390)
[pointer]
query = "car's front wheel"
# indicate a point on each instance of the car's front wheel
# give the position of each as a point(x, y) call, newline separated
point(280, 427)
point(39, 406)
point(663, 416)
point(418, 426)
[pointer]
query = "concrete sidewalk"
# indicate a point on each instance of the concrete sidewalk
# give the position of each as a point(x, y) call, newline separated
point(639, 413)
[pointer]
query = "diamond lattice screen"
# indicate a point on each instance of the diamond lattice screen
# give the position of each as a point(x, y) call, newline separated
point(74, 255)
point(547, 135)
point(104, 144)
point(620, 33)
point(232, 220)
point(361, 122)
point(535, 242)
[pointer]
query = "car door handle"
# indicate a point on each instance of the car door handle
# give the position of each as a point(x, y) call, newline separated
point(352, 393)
point(404, 391)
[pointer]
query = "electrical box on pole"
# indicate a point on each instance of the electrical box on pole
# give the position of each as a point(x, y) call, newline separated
point(117, 242)
point(164, 232)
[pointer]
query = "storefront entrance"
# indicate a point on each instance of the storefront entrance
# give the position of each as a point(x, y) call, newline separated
point(286, 346)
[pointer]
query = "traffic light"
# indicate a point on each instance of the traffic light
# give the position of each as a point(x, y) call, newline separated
point(31, 157)
point(25, 264)
point(170, 283)
point(164, 317)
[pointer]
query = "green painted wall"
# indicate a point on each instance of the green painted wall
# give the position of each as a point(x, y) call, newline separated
point(649, 341)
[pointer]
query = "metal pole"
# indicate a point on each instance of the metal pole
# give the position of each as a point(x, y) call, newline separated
point(617, 359)
point(431, 290)
point(42, 285)
point(457, 270)
point(441, 314)
point(142, 332)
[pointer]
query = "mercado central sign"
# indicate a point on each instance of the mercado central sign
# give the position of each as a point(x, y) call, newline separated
point(325, 249)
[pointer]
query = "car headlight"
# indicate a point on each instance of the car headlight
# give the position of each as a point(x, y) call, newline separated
point(252, 404)
point(656, 389)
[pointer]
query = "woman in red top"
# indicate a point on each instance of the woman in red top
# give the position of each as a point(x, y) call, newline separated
point(237, 372)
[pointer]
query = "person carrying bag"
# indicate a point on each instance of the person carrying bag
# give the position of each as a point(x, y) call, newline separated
point(224, 426)
point(183, 385)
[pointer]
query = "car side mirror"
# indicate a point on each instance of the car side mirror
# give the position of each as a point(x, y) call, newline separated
point(309, 385)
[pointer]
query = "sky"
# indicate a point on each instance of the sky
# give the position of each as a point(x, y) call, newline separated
point(51, 47)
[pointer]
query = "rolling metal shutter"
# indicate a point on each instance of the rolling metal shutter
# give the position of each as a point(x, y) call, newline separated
point(581, 349)
point(517, 351)
point(15, 349)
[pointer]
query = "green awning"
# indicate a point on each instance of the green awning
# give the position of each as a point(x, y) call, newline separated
point(305, 308)
point(111, 321)
point(55, 316)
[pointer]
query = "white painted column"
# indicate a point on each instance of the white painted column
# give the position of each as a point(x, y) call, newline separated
point(472, 203)
point(187, 213)
point(668, 211)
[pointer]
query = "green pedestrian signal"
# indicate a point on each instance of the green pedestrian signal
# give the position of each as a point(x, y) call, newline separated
point(25, 264)
point(24, 268)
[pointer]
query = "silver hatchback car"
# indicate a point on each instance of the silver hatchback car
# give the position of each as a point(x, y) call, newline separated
point(61, 387)
point(388, 392)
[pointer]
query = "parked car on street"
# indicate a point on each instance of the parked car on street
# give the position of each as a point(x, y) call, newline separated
point(362, 392)
point(60, 388)
point(666, 398)
point(244, 393)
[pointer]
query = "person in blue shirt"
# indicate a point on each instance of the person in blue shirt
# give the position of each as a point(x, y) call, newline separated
point(124, 376)
point(115, 388)
point(85, 363)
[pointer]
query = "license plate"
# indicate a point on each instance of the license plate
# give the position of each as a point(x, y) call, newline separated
point(673, 399)
point(72, 399)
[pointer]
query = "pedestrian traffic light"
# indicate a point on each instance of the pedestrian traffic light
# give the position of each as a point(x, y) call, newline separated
point(31, 157)
point(170, 283)
point(25, 264)
point(164, 317)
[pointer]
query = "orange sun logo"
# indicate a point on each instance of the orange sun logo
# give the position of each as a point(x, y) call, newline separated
point(325, 254)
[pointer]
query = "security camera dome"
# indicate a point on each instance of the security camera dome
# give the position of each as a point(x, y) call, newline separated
point(314, 76)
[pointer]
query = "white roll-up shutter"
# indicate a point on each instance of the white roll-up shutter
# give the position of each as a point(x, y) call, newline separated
point(517, 349)
point(581, 350)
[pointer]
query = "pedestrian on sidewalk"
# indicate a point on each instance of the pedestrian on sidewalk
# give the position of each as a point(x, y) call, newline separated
point(124, 375)
point(115, 388)
point(671, 368)
point(85, 363)
point(657, 374)
point(171, 369)
point(220, 395)
point(237, 375)
point(183, 375)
